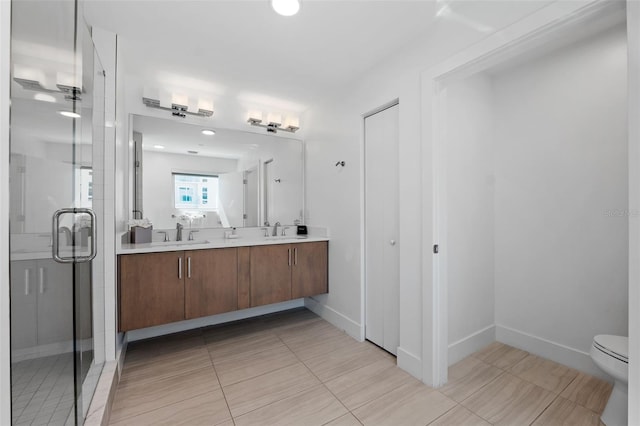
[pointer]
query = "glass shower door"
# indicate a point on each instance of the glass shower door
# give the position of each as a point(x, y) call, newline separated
point(57, 93)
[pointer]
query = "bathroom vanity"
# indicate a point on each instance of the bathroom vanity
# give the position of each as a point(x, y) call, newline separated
point(163, 283)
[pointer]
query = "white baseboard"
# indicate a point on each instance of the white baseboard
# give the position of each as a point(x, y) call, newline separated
point(553, 351)
point(100, 408)
point(177, 327)
point(410, 363)
point(470, 344)
point(341, 321)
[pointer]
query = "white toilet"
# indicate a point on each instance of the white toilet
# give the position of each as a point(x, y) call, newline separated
point(611, 354)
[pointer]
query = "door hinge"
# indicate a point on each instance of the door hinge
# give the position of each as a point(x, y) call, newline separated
point(244, 216)
point(436, 248)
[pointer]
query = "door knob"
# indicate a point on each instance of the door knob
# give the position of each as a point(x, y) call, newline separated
point(392, 242)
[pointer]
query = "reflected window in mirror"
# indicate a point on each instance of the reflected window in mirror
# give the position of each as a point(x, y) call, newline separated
point(195, 192)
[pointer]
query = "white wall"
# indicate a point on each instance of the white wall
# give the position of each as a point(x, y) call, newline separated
point(334, 195)
point(157, 180)
point(561, 229)
point(469, 228)
point(5, 357)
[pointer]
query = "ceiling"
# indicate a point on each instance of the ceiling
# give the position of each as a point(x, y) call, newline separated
point(242, 48)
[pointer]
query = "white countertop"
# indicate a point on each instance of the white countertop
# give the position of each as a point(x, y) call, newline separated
point(214, 243)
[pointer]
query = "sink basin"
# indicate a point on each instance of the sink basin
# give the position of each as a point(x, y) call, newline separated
point(178, 243)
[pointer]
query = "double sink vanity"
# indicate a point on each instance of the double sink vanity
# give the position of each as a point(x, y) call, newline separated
point(164, 282)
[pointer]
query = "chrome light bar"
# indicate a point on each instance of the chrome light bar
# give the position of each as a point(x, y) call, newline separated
point(177, 110)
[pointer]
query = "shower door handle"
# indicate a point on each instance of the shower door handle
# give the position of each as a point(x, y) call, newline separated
point(55, 246)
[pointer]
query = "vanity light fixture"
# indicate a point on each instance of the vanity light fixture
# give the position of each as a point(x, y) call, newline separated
point(274, 123)
point(43, 97)
point(208, 132)
point(69, 114)
point(71, 93)
point(158, 146)
point(177, 110)
point(286, 7)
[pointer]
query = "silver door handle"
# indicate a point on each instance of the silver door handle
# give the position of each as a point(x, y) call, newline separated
point(295, 256)
point(26, 282)
point(180, 267)
point(392, 242)
point(189, 267)
point(55, 246)
point(289, 251)
point(41, 279)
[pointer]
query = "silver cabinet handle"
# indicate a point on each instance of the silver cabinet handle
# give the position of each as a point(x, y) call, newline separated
point(295, 253)
point(180, 267)
point(55, 246)
point(189, 267)
point(41, 279)
point(26, 282)
point(289, 251)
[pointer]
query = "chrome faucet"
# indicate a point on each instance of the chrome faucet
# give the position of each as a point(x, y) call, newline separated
point(275, 229)
point(179, 227)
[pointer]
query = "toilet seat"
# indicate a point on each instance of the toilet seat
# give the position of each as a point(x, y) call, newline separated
point(614, 346)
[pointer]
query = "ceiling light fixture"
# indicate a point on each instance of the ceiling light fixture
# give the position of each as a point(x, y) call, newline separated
point(274, 122)
point(208, 132)
point(286, 7)
point(44, 97)
point(158, 146)
point(177, 110)
point(69, 114)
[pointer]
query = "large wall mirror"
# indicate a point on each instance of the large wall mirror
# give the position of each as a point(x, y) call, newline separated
point(226, 179)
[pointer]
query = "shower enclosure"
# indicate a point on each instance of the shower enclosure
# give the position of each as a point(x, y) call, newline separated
point(56, 181)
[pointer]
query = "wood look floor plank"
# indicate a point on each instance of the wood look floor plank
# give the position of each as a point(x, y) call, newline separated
point(565, 412)
point(263, 390)
point(142, 397)
point(500, 355)
point(509, 400)
point(468, 376)
point(343, 360)
point(588, 391)
point(365, 384)
point(243, 346)
point(206, 409)
point(411, 404)
point(346, 420)
point(459, 416)
point(313, 407)
point(165, 366)
point(544, 373)
point(237, 369)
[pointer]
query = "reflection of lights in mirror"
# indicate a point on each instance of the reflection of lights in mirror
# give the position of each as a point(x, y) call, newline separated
point(208, 132)
point(158, 146)
point(44, 97)
point(69, 114)
point(286, 7)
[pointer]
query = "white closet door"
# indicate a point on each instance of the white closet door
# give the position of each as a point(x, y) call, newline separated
point(381, 229)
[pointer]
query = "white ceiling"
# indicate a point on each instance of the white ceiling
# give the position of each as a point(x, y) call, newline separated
point(243, 48)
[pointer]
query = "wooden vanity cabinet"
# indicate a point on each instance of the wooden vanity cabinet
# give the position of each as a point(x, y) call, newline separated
point(211, 283)
point(309, 272)
point(288, 271)
point(151, 289)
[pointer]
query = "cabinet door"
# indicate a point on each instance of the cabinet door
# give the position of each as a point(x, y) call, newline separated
point(55, 301)
point(270, 274)
point(211, 283)
point(24, 331)
point(309, 273)
point(151, 289)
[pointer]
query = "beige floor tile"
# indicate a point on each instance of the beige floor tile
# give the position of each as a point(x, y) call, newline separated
point(500, 355)
point(544, 373)
point(468, 376)
point(243, 345)
point(239, 368)
point(313, 407)
point(259, 391)
point(138, 398)
point(206, 409)
point(365, 384)
point(564, 412)
point(412, 404)
point(292, 318)
point(300, 335)
point(509, 400)
point(173, 364)
point(588, 391)
point(147, 350)
point(343, 360)
point(459, 416)
point(346, 420)
point(325, 344)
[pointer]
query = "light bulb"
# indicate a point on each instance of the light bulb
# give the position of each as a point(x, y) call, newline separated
point(286, 7)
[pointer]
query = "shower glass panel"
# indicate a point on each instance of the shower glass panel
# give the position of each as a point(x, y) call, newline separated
point(57, 129)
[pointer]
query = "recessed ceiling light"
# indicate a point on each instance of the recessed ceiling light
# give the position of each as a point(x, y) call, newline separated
point(158, 146)
point(44, 97)
point(192, 152)
point(69, 114)
point(286, 7)
point(208, 132)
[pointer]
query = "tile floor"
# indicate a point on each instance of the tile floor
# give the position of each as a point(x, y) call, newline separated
point(294, 368)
